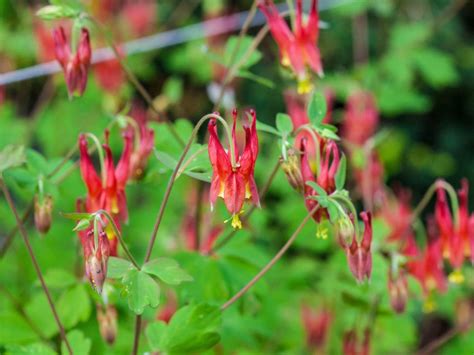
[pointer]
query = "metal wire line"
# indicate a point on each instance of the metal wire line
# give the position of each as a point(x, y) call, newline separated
point(209, 28)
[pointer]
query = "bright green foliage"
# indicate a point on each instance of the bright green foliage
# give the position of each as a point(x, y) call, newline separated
point(193, 328)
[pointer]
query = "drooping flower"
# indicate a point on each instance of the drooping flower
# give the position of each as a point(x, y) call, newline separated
point(43, 213)
point(353, 345)
point(427, 266)
point(457, 240)
point(358, 253)
point(298, 48)
point(96, 255)
point(296, 109)
point(234, 180)
point(325, 176)
point(316, 324)
point(398, 290)
point(75, 65)
point(110, 193)
point(107, 320)
point(361, 118)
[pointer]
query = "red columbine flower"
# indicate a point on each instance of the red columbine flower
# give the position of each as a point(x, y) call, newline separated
point(234, 181)
point(361, 118)
point(316, 324)
point(326, 172)
point(109, 194)
point(296, 109)
point(352, 345)
point(457, 241)
point(428, 267)
point(75, 65)
point(298, 48)
point(358, 254)
point(143, 145)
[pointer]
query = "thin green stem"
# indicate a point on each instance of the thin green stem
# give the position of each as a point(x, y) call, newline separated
point(243, 31)
point(190, 160)
point(118, 234)
point(24, 234)
point(134, 80)
point(173, 178)
point(272, 262)
point(100, 151)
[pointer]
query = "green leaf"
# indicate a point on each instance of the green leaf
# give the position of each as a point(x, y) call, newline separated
point(284, 123)
point(36, 162)
point(142, 291)
point(244, 46)
point(118, 268)
point(11, 156)
point(314, 185)
point(267, 128)
point(340, 177)
point(58, 278)
point(83, 224)
point(76, 216)
point(192, 329)
point(74, 306)
point(167, 270)
point(436, 67)
point(317, 108)
point(55, 12)
point(79, 343)
point(15, 329)
point(35, 348)
point(199, 168)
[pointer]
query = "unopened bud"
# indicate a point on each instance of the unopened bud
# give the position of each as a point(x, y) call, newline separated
point(107, 319)
point(398, 290)
point(291, 168)
point(43, 211)
point(345, 229)
point(96, 273)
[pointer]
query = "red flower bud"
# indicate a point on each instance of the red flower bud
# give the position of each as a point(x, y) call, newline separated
point(352, 344)
point(107, 319)
point(398, 290)
point(43, 211)
point(316, 324)
point(75, 65)
point(358, 254)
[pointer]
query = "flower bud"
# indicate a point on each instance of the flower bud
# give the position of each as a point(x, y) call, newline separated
point(345, 229)
point(291, 168)
point(43, 211)
point(107, 319)
point(359, 256)
point(398, 290)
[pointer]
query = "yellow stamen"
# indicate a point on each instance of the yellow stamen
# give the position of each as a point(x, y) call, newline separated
point(236, 222)
point(429, 305)
point(321, 232)
point(456, 277)
point(109, 231)
point(285, 60)
point(114, 207)
point(304, 86)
